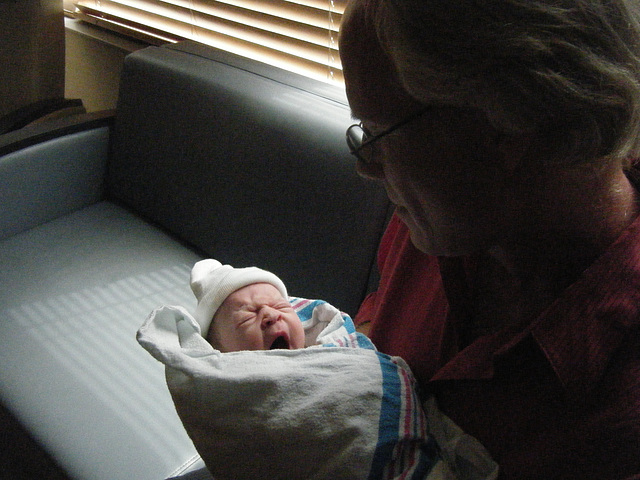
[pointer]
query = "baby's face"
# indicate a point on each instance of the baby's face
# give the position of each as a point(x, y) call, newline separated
point(256, 317)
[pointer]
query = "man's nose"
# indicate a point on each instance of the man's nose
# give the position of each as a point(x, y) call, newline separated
point(371, 170)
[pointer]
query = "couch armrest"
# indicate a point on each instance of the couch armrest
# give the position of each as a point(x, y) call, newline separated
point(41, 110)
point(52, 168)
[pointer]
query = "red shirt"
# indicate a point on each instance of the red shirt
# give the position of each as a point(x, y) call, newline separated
point(559, 399)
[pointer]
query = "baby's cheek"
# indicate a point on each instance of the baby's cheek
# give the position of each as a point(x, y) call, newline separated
point(298, 333)
point(253, 339)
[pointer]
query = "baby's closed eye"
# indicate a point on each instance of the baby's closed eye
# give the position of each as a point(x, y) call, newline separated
point(283, 306)
point(246, 319)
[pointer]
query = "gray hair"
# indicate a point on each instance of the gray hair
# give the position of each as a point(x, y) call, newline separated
point(565, 71)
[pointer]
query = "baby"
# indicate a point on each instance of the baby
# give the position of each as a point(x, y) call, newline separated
point(258, 404)
point(244, 308)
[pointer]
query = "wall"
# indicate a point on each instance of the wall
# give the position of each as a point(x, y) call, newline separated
point(93, 64)
point(31, 52)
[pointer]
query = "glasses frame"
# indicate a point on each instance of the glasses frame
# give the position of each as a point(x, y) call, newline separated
point(355, 149)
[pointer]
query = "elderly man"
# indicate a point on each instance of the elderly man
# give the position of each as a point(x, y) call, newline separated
point(505, 133)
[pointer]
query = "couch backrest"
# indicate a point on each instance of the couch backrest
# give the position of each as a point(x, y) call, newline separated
point(248, 165)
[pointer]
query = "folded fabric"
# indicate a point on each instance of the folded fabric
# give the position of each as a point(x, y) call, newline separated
point(338, 410)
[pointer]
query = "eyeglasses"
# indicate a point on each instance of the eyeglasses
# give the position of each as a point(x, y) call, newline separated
point(359, 137)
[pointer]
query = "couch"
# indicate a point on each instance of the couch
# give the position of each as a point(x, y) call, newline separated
point(103, 215)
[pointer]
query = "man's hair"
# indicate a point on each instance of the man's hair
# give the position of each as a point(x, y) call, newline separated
point(567, 72)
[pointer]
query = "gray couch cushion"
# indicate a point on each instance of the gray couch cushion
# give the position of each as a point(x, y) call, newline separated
point(74, 292)
point(201, 147)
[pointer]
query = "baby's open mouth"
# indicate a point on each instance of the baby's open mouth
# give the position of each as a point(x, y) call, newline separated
point(280, 343)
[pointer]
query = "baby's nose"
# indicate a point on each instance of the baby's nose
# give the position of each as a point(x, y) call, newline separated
point(269, 316)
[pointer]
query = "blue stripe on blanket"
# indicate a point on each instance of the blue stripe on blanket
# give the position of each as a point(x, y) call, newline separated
point(404, 449)
point(303, 307)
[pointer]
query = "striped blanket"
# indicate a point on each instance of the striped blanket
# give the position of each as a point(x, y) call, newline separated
point(338, 409)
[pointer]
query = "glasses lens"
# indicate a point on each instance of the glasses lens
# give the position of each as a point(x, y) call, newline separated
point(355, 137)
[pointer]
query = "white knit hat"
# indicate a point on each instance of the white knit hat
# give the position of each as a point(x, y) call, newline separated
point(213, 282)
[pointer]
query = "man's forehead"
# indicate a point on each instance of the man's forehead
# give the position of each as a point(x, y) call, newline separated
point(373, 90)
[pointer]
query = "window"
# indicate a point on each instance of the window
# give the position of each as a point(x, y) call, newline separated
point(297, 35)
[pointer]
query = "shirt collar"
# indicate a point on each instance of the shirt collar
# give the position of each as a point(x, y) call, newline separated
point(579, 332)
point(583, 328)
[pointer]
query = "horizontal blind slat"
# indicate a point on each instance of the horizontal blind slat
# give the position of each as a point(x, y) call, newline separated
point(290, 35)
point(193, 25)
point(250, 20)
point(279, 8)
point(335, 5)
point(126, 26)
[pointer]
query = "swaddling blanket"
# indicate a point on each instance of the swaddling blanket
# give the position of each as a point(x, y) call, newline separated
point(336, 410)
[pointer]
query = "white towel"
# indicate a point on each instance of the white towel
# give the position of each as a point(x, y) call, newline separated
point(313, 413)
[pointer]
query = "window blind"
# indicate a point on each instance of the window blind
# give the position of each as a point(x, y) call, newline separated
point(297, 35)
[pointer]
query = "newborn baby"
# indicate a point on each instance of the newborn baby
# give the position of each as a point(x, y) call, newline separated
point(257, 404)
point(244, 308)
